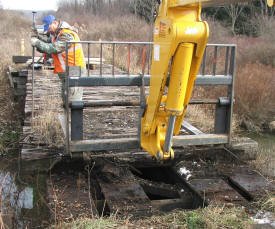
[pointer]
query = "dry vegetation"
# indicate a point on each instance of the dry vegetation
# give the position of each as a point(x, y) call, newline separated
point(211, 217)
point(255, 92)
point(110, 26)
point(46, 126)
point(255, 82)
point(14, 27)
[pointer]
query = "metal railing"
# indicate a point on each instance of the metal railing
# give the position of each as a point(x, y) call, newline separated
point(128, 64)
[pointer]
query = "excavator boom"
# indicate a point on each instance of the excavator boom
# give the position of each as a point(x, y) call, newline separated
point(207, 3)
point(180, 38)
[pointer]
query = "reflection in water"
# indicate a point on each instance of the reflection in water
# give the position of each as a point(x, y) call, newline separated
point(267, 152)
point(9, 192)
point(14, 199)
point(22, 196)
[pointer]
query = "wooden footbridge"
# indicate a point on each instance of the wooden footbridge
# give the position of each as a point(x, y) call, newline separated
point(113, 99)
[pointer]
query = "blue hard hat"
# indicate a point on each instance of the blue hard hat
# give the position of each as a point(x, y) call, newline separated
point(47, 20)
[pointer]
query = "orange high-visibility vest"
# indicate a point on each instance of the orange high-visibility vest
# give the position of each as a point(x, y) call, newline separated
point(75, 54)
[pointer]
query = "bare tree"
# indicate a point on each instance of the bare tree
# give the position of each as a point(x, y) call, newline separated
point(144, 8)
point(234, 11)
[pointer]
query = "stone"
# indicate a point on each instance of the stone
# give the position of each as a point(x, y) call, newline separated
point(246, 148)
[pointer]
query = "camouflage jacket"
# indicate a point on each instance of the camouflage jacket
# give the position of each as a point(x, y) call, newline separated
point(47, 46)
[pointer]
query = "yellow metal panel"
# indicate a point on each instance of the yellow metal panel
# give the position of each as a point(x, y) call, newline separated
point(206, 3)
point(180, 72)
point(180, 38)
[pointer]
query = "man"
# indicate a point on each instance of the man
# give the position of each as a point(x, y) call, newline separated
point(61, 32)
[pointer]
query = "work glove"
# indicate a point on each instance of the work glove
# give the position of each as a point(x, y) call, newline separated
point(34, 41)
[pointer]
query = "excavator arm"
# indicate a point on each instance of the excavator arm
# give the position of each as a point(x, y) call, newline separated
point(180, 38)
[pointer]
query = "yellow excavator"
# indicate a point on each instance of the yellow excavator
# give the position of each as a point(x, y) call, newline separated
point(180, 38)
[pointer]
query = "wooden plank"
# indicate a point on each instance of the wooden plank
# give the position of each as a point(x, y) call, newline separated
point(20, 59)
point(94, 60)
point(207, 181)
point(122, 192)
point(133, 143)
point(216, 191)
point(104, 144)
point(191, 129)
point(45, 88)
point(201, 139)
point(31, 154)
point(252, 184)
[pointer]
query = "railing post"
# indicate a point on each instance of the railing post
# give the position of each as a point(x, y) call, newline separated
point(129, 59)
point(222, 116)
point(77, 120)
point(113, 59)
point(76, 105)
point(231, 89)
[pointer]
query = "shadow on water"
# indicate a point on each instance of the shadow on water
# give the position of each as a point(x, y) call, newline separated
point(23, 194)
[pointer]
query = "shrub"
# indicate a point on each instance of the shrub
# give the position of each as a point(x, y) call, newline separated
point(254, 92)
point(217, 32)
point(14, 27)
point(111, 28)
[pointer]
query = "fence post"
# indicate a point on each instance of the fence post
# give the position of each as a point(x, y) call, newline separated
point(77, 106)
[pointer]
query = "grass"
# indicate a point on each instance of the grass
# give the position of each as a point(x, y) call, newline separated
point(265, 161)
point(96, 223)
point(7, 106)
point(9, 120)
point(46, 125)
point(201, 117)
point(10, 44)
point(12, 35)
point(8, 139)
point(267, 203)
point(213, 217)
